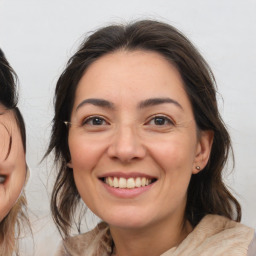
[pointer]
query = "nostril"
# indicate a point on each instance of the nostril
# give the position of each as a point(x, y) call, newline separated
point(126, 146)
point(126, 154)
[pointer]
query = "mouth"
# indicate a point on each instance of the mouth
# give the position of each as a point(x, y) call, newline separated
point(127, 183)
point(2, 179)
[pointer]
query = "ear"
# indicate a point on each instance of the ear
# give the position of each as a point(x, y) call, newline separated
point(203, 150)
point(69, 164)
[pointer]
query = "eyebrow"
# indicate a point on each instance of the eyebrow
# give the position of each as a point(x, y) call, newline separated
point(143, 104)
point(96, 102)
point(158, 101)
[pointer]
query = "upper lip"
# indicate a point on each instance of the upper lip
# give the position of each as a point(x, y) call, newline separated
point(126, 175)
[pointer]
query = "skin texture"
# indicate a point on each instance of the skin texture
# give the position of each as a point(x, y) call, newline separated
point(129, 141)
point(12, 161)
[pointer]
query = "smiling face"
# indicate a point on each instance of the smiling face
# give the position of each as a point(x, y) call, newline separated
point(12, 161)
point(133, 140)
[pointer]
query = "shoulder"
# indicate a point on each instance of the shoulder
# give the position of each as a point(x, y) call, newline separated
point(96, 241)
point(222, 224)
point(218, 235)
point(228, 233)
point(252, 247)
point(216, 224)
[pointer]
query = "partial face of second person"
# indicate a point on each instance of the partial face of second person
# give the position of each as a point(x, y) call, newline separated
point(133, 140)
point(12, 161)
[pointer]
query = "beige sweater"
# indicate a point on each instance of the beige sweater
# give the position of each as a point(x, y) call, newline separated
point(213, 236)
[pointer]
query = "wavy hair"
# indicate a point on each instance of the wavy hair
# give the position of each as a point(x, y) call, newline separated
point(207, 193)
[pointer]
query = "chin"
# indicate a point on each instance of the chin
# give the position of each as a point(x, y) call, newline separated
point(126, 224)
point(126, 219)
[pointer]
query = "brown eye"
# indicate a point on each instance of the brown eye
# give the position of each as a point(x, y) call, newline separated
point(160, 121)
point(95, 121)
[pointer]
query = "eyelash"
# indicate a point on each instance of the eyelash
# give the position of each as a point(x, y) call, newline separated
point(167, 120)
point(163, 117)
point(93, 118)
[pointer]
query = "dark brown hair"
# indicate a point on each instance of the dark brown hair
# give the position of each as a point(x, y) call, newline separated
point(10, 226)
point(9, 93)
point(207, 193)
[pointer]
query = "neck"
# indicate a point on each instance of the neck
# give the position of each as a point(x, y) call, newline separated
point(153, 240)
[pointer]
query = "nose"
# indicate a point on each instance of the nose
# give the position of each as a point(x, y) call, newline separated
point(126, 145)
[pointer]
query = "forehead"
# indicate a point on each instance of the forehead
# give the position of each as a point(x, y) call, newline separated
point(7, 115)
point(130, 73)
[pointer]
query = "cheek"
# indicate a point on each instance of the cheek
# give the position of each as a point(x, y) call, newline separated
point(10, 192)
point(84, 154)
point(18, 176)
point(175, 153)
point(17, 181)
point(175, 159)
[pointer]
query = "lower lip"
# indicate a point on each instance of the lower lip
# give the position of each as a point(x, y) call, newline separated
point(127, 192)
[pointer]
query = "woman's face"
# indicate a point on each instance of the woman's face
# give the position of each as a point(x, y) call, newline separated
point(12, 161)
point(133, 140)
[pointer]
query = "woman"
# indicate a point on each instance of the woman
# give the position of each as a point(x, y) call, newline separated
point(13, 167)
point(138, 137)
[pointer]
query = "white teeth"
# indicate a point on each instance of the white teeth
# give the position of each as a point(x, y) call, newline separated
point(122, 183)
point(2, 179)
point(115, 182)
point(138, 182)
point(109, 181)
point(130, 183)
point(127, 183)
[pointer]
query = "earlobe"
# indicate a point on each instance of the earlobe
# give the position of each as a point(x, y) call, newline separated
point(203, 150)
point(69, 164)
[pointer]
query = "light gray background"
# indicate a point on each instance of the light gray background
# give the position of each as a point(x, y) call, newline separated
point(38, 36)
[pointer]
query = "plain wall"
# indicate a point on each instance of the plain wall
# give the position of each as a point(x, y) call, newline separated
point(38, 37)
